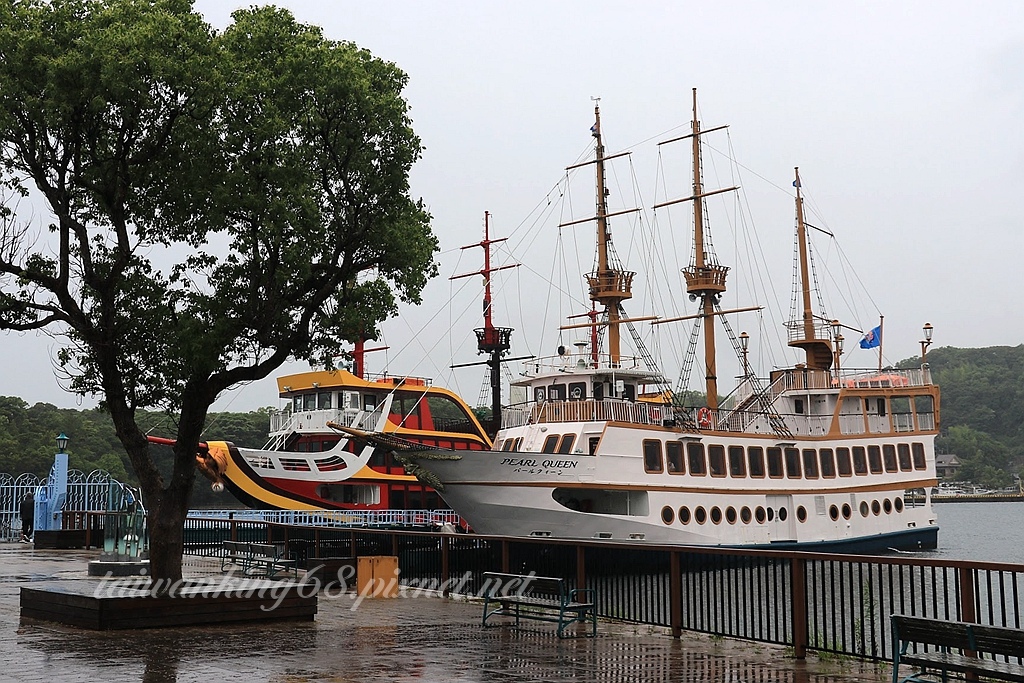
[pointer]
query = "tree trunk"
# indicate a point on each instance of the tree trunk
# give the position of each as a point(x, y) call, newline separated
point(166, 526)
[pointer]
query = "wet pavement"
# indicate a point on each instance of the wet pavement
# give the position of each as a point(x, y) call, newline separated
point(424, 638)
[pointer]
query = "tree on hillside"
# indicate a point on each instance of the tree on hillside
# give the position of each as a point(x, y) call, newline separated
point(220, 202)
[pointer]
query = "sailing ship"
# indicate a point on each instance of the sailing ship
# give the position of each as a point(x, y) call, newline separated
point(811, 456)
point(310, 463)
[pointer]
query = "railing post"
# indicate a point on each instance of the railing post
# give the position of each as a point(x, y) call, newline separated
point(967, 600)
point(444, 565)
point(581, 567)
point(675, 594)
point(505, 561)
point(234, 530)
point(798, 605)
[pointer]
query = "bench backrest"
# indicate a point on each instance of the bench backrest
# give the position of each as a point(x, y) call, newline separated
point(497, 585)
point(255, 549)
point(998, 640)
point(951, 634)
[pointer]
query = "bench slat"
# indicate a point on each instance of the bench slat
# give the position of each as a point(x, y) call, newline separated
point(959, 643)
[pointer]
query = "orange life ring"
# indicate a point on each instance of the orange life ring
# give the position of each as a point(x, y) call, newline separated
point(704, 417)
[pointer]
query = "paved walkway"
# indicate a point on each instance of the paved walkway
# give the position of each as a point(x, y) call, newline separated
point(416, 639)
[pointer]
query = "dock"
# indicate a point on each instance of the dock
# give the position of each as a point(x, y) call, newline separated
point(421, 638)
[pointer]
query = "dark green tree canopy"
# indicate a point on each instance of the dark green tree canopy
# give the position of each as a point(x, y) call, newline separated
point(220, 202)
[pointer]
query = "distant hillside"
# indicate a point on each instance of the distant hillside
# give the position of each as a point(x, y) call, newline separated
point(982, 409)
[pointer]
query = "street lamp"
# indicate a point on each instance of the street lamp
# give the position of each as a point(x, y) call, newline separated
point(62, 442)
point(926, 342)
point(744, 344)
point(838, 337)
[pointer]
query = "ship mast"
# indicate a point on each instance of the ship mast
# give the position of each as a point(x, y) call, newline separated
point(705, 276)
point(609, 284)
point(494, 341)
point(818, 350)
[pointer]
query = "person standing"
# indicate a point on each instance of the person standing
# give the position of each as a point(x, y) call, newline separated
point(28, 513)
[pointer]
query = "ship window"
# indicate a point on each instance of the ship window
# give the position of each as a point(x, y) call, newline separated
point(716, 460)
point(810, 463)
point(924, 407)
point(918, 450)
point(518, 445)
point(828, 465)
point(629, 392)
point(369, 403)
point(737, 464)
point(792, 462)
point(652, 456)
point(295, 464)
point(577, 391)
point(509, 444)
point(592, 443)
point(843, 463)
point(860, 462)
point(695, 454)
point(296, 403)
point(775, 462)
point(330, 464)
point(889, 455)
point(323, 400)
point(881, 407)
point(539, 394)
point(556, 392)
point(668, 515)
point(497, 444)
point(875, 459)
point(550, 444)
point(798, 406)
point(309, 401)
point(755, 461)
point(565, 445)
point(598, 391)
point(903, 449)
point(674, 457)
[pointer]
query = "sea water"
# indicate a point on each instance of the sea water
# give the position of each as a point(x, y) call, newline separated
point(983, 532)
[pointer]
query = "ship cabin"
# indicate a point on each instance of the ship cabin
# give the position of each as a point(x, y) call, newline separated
point(418, 411)
point(797, 402)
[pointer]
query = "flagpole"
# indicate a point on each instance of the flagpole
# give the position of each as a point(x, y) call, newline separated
point(881, 340)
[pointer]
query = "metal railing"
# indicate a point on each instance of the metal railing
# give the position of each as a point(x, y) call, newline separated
point(338, 518)
point(586, 411)
point(809, 601)
point(85, 492)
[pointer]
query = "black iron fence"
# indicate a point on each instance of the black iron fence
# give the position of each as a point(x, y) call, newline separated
point(808, 601)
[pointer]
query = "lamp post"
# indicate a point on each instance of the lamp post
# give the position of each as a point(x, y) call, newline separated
point(62, 442)
point(926, 342)
point(838, 338)
point(744, 344)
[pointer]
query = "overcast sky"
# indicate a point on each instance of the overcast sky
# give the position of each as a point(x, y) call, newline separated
point(905, 119)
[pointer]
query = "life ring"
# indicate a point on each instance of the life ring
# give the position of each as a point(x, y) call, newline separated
point(704, 417)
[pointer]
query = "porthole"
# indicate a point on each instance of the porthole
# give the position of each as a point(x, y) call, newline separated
point(771, 514)
point(745, 515)
point(668, 515)
point(701, 515)
point(684, 515)
point(783, 514)
point(730, 515)
point(759, 515)
point(847, 511)
point(863, 508)
point(801, 513)
point(898, 504)
point(887, 506)
point(716, 515)
point(833, 512)
point(876, 508)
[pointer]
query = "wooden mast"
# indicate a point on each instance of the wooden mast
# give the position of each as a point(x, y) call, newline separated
point(609, 284)
point(818, 351)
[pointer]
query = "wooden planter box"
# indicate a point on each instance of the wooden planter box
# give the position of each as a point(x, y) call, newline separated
point(107, 605)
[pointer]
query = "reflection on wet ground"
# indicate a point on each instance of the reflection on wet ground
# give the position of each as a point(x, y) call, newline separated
point(419, 639)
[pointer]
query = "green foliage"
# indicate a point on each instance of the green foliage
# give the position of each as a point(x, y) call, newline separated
point(982, 410)
point(28, 436)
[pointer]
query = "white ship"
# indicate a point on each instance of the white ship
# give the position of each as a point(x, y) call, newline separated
point(813, 456)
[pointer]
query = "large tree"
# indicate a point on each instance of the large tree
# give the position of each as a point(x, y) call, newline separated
point(220, 202)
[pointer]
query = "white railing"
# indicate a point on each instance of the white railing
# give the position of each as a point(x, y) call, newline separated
point(337, 518)
point(572, 361)
point(609, 410)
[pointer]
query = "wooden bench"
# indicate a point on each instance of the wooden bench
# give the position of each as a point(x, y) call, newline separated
point(542, 598)
point(255, 559)
point(958, 646)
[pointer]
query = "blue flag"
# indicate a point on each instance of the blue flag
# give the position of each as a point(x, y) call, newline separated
point(872, 339)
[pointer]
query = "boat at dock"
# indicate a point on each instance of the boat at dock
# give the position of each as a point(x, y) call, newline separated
point(812, 455)
point(310, 464)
